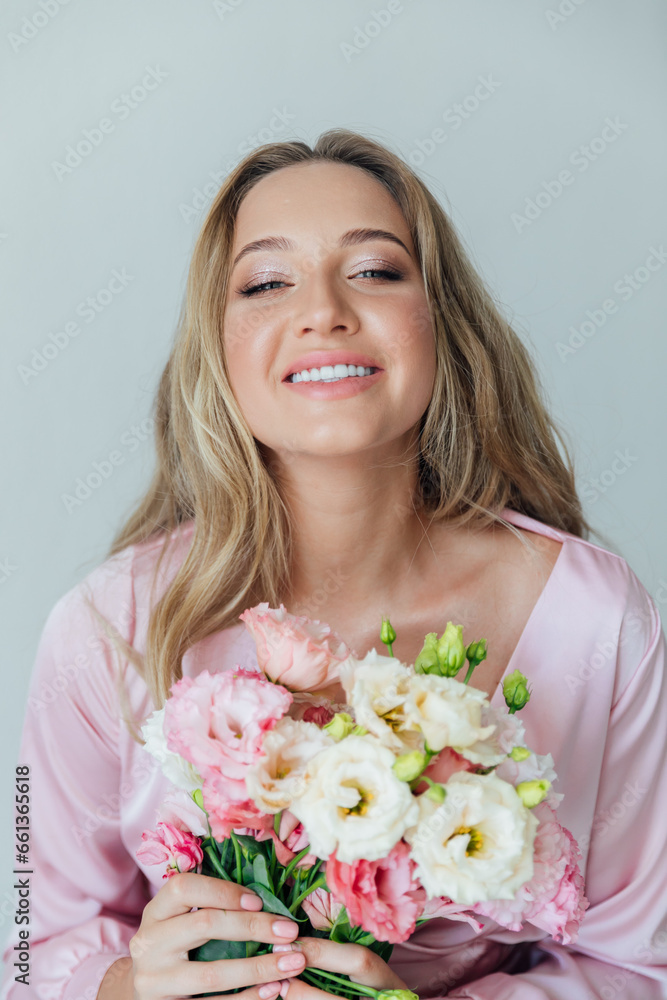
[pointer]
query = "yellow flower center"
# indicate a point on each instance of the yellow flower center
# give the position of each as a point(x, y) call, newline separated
point(393, 718)
point(475, 838)
point(282, 773)
point(361, 808)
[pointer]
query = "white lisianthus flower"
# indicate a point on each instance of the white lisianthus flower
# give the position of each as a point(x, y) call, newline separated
point(376, 689)
point(179, 771)
point(508, 732)
point(353, 803)
point(278, 777)
point(447, 712)
point(536, 767)
point(476, 845)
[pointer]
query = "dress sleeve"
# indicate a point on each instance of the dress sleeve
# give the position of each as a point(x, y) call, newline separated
point(621, 950)
point(86, 892)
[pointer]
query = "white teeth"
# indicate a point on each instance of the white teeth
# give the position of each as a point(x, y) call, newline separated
point(329, 373)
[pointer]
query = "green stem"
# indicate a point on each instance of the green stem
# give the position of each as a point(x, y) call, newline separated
point(291, 866)
point(368, 991)
point(237, 854)
point(469, 674)
point(306, 892)
point(215, 861)
point(389, 647)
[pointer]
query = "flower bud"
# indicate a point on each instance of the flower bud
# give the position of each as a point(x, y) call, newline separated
point(519, 753)
point(437, 793)
point(198, 798)
point(532, 793)
point(515, 689)
point(476, 652)
point(451, 650)
point(409, 766)
point(340, 726)
point(396, 995)
point(427, 661)
point(387, 634)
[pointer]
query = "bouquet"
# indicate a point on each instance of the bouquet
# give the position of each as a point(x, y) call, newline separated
point(361, 797)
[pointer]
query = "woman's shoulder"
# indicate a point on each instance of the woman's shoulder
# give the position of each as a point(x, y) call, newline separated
point(122, 587)
point(601, 600)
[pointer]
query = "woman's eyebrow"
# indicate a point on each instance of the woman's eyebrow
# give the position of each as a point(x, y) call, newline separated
point(350, 238)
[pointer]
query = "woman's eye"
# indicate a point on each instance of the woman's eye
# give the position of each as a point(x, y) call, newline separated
point(259, 289)
point(391, 275)
point(266, 286)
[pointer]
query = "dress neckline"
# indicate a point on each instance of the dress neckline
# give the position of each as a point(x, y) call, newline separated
point(538, 528)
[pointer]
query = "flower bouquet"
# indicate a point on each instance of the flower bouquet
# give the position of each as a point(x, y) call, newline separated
point(361, 797)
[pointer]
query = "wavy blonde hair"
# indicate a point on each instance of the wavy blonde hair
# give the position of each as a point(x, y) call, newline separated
point(486, 440)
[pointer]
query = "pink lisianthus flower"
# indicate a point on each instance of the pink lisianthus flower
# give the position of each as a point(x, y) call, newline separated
point(303, 655)
point(217, 722)
point(447, 763)
point(321, 908)
point(289, 841)
point(554, 897)
point(382, 896)
point(179, 809)
point(179, 848)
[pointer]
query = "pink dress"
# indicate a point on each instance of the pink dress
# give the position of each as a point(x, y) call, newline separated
point(594, 650)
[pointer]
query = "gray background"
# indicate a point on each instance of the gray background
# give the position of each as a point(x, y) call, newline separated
point(230, 75)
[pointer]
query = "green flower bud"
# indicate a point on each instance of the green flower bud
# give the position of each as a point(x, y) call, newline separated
point(451, 650)
point(340, 726)
point(396, 995)
point(198, 798)
point(515, 689)
point(358, 731)
point(476, 652)
point(427, 661)
point(519, 753)
point(437, 793)
point(532, 793)
point(387, 634)
point(409, 766)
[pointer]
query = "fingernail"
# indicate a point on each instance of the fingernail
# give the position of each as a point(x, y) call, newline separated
point(291, 961)
point(269, 990)
point(284, 928)
point(284, 986)
point(249, 901)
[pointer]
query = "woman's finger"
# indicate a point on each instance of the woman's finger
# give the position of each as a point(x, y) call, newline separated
point(188, 889)
point(355, 960)
point(225, 974)
point(189, 930)
point(268, 991)
point(299, 989)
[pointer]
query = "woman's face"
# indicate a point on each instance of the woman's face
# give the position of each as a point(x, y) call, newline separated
point(327, 297)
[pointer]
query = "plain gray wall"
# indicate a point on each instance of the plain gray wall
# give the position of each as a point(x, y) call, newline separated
point(536, 84)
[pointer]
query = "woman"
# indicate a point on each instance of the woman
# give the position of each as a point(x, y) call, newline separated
point(412, 470)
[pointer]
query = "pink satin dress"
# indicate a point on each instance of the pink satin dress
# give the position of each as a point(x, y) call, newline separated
point(594, 650)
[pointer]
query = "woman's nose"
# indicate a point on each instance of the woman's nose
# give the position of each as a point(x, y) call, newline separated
point(324, 308)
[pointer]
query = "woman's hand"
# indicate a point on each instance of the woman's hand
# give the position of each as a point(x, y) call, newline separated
point(160, 968)
point(358, 962)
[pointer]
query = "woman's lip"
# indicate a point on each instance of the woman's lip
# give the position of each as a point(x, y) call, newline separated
point(349, 386)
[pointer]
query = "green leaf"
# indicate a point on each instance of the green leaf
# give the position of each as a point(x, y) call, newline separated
point(261, 872)
point(271, 903)
point(251, 847)
point(214, 949)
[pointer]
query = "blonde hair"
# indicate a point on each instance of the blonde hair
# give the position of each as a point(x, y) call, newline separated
point(486, 440)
